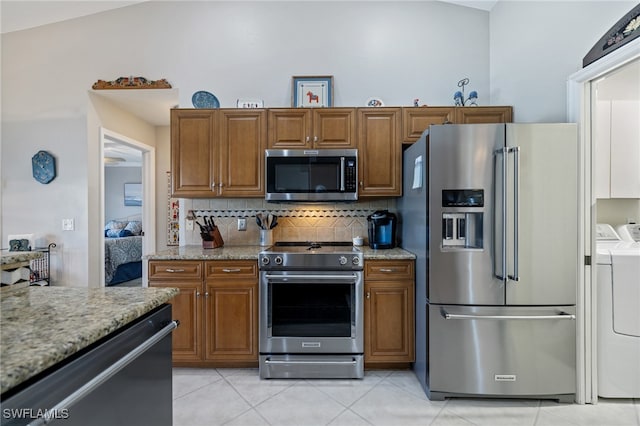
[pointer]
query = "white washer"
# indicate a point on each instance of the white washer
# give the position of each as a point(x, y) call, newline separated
point(618, 272)
point(629, 232)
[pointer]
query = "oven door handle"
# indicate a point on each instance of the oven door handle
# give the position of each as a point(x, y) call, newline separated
point(352, 362)
point(271, 277)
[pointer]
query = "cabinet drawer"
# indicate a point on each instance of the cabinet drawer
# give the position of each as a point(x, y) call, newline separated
point(231, 269)
point(388, 270)
point(174, 269)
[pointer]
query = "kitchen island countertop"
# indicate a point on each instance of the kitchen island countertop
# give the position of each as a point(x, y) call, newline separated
point(42, 326)
point(196, 252)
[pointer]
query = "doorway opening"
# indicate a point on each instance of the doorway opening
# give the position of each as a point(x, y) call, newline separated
point(580, 110)
point(138, 205)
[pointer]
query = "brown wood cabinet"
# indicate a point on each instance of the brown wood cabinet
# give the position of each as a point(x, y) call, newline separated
point(186, 306)
point(218, 153)
point(389, 313)
point(231, 323)
point(193, 152)
point(322, 128)
point(415, 120)
point(488, 114)
point(217, 308)
point(379, 152)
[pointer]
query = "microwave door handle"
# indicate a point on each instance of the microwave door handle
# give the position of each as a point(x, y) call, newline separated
point(341, 174)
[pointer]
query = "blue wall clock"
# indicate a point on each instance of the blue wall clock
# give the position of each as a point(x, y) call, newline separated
point(43, 166)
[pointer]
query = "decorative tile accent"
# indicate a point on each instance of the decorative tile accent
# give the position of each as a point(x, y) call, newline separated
point(296, 221)
point(282, 213)
point(173, 216)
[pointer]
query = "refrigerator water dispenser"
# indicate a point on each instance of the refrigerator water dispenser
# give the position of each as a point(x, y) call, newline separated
point(462, 228)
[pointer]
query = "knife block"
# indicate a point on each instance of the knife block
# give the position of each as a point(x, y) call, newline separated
point(212, 239)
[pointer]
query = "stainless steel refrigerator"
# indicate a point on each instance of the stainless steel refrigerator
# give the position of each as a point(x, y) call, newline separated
point(490, 210)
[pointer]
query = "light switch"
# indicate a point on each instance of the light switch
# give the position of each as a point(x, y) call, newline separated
point(189, 224)
point(67, 225)
point(242, 224)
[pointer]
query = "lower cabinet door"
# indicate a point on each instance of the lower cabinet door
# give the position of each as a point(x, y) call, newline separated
point(502, 351)
point(231, 321)
point(389, 322)
point(187, 309)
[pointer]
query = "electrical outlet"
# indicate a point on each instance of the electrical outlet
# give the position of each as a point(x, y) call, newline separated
point(189, 224)
point(242, 224)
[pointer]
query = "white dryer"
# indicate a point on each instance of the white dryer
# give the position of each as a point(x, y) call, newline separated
point(618, 272)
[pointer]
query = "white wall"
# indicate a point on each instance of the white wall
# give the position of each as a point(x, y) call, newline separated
point(536, 46)
point(394, 50)
point(114, 180)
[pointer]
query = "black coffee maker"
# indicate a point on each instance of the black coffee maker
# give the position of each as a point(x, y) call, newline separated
point(382, 229)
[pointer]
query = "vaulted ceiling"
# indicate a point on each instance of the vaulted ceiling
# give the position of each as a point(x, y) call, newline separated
point(19, 15)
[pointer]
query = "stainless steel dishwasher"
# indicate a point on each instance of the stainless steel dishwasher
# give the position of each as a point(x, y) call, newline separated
point(124, 378)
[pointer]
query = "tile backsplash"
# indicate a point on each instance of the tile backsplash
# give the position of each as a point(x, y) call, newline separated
point(296, 221)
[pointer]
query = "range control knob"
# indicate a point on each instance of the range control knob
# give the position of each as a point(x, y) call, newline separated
point(342, 260)
point(278, 260)
point(355, 260)
point(265, 260)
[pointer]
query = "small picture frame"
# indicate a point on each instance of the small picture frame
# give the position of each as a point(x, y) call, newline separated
point(312, 91)
point(132, 194)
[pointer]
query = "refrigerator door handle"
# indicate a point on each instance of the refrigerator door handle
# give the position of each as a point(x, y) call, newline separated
point(516, 206)
point(561, 316)
point(503, 255)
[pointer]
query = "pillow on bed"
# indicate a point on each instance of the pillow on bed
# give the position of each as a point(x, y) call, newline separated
point(113, 228)
point(125, 233)
point(135, 227)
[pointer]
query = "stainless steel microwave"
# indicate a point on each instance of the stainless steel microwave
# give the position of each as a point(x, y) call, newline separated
point(311, 174)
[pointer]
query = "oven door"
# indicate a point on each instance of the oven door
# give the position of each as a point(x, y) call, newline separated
point(311, 312)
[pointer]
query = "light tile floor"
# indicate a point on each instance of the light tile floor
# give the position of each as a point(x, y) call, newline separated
point(204, 397)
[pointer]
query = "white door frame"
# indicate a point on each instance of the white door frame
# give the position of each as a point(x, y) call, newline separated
point(579, 110)
point(148, 196)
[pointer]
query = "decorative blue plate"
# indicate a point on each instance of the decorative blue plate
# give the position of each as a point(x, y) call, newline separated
point(43, 166)
point(202, 99)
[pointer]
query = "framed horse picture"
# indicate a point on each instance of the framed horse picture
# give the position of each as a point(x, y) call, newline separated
point(312, 91)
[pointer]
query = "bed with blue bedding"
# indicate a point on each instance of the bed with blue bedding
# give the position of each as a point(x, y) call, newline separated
point(122, 251)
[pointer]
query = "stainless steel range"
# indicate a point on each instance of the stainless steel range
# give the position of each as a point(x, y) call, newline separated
point(311, 311)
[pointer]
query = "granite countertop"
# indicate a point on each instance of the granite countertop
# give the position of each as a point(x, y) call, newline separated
point(196, 252)
point(13, 257)
point(41, 326)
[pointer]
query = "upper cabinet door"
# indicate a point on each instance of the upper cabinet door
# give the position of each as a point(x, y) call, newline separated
point(417, 119)
point(379, 152)
point(625, 149)
point(193, 152)
point(334, 128)
point(289, 128)
point(242, 143)
point(476, 115)
point(302, 128)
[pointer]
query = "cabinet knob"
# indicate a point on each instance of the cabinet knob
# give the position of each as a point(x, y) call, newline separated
point(315, 139)
point(197, 294)
point(368, 295)
point(206, 294)
point(308, 139)
point(213, 185)
point(361, 183)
